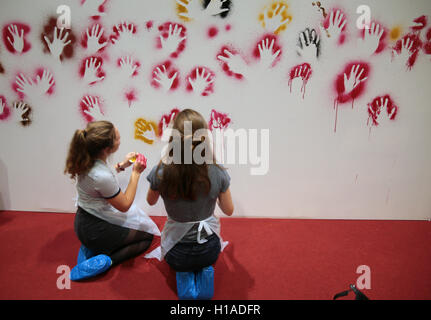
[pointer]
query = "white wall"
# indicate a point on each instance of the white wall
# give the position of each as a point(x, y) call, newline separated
point(314, 172)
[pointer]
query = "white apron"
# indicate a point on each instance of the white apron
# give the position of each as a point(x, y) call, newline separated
point(174, 231)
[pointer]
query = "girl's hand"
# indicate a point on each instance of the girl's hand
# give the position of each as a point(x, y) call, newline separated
point(140, 163)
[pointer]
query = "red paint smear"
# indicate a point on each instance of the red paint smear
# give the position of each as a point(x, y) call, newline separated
point(225, 67)
point(102, 39)
point(209, 88)
point(6, 111)
point(344, 97)
point(374, 109)
point(428, 35)
point(228, 27)
point(171, 70)
point(212, 32)
point(164, 32)
point(383, 39)
point(417, 45)
point(422, 20)
point(167, 118)
point(149, 25)
point(305, 75)
point(1, 68)
point(131, 96)
point(83, 107)
point(100, 72)
point(343, 35)
point(7, 34)
point(48, 31)
point(275, 47)
point(221, 118)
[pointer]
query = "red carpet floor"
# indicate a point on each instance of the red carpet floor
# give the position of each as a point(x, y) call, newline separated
point(266, 259)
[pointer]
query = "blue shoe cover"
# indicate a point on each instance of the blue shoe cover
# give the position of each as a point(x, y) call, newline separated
point(186, 286)
point(91, 267)
point(205, 283)
point(84, 254)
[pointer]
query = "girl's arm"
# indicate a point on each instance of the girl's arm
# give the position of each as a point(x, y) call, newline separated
point(152, 196)
point(123, 201)
point(225, 202)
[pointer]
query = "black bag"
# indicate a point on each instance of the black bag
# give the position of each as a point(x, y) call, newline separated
point(358, 294)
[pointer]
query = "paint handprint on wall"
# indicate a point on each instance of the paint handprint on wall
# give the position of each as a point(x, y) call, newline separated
point(381, 108)
point(14, 37)
point(334, 26)
point(124, 36)
point(217, 124)
point(301, 74)
point(91, 70)
point(166, 120)
point(268, 52)
point(350, 84)
point(93, 39)
point(406, 50)
point(172, 39)
point(42, 84)
point(145, 131)
point(201, 81)
point(427, 44)
point(276, 17)
point(308, 47)
point(90, 108)
point(22, 113)
point(129, 66)
point(233, 64)
point(189, 10)
point(165, 77)
point(372, 40)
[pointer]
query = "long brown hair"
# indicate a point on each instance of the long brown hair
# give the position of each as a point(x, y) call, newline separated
point(184, 180)
point(87, 145)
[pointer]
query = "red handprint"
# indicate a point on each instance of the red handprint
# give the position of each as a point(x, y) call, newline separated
point(166, 120)
point(4, 109)
point(302, 71)
point(218, 120)
point(232, 63)
point(172, 39)
point(407, 49)
point(165, 76)
point(14, 37)
point(378, 106)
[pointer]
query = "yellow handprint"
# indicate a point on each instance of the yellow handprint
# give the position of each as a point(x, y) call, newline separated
point(145, 130)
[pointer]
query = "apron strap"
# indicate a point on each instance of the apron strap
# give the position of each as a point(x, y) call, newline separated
point(204, 225)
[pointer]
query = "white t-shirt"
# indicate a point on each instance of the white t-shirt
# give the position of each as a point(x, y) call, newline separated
point(100, 184)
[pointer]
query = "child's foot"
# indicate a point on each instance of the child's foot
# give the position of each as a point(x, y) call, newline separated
point(91, 267)
point(84, 254)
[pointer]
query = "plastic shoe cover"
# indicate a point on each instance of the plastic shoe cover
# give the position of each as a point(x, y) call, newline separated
point(186, 285)
point(84, 254)
point(91, 267)
point(205, 283)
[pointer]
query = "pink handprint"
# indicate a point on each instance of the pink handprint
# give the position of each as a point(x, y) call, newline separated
point(14, 37)
point(335, 26)
point(172, 39)
point(42, 84)
point(124, 34)
point(201, 81)
point(268, 51)
point(57, 42)
point(419, 23)
point(350, 84)
point(379, 106)
point(93, 39)
point(165, 76)
point(218, 120)
point(129, 66)
point(303, 72)
point(91, 71)
point(427, 44)
point(166, 120)
point(373, 40)
point(90, 108)
point(407, 49)
point(232, 63)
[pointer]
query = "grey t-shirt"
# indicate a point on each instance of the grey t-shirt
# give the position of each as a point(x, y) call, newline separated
point(182, 210)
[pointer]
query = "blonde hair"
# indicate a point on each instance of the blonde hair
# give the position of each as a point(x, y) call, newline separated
point(87, 145)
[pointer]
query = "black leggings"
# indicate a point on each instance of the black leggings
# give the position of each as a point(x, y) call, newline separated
point(102, 237)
